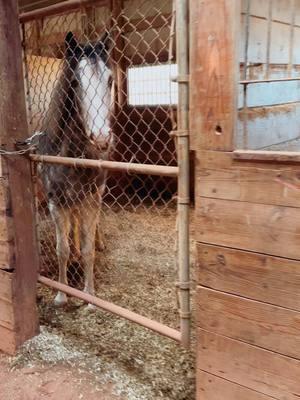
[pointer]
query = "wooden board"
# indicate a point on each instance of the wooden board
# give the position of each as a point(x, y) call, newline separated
point(261, 228)
point(257, 369)
point(225, 159)
point(7, 314)
point(5, 285)
point(267, 155)
point(7, 341)
point(14, 128)
point(6, 227)
point(7, 255)
point(214, 52)
point(210, 387)
point(6, 300)
point(218, 176)
point(269, 279)
point(4, 196)
point(264, 325)
point(249, 184)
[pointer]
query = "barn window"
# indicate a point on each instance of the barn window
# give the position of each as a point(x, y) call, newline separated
point(151, 85)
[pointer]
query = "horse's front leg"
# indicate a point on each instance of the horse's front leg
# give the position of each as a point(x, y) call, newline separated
point(88, 226)
point(100, 245)
point(62, 220)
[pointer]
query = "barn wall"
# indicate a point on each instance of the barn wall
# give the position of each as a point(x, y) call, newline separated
point(267, 128)
point(140, 21)
point(247, 234)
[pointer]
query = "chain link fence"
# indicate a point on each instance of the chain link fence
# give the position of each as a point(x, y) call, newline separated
point(98, 85)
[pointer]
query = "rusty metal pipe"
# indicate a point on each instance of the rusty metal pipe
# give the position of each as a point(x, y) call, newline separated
point(66, 6)
point(112, 308)
point(130, 168)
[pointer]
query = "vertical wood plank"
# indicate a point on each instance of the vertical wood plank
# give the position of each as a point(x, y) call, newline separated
point(214, 73)
point(13, 124)
point(119, 61)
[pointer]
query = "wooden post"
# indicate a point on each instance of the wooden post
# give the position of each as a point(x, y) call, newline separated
point(119, 62)
point(214, 70)
point(37, 28)
point(18, 244)
point(88, 23)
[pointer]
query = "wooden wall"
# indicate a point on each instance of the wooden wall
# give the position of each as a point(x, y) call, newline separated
point(273, 51)
point(247, 233)
point(145, 28)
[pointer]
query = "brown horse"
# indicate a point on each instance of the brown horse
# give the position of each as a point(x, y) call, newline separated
point(77, 124)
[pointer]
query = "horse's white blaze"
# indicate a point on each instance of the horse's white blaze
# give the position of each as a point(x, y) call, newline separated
point(94, 79)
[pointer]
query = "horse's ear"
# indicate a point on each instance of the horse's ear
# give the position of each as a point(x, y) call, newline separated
point(106, 40)
point(71, 44)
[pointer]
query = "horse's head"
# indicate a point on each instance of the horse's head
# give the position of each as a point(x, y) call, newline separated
point(92, 82)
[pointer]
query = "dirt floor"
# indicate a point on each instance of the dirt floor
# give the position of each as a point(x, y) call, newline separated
point(95, 355)
point(54, 382)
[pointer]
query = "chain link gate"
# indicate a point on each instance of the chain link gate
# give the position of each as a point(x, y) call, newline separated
point(100, 100)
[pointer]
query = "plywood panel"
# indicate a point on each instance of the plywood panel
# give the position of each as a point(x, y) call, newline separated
point(264, 325)
point(210, 387)
point(257, 369)
point(261, 228)
point(269, 279)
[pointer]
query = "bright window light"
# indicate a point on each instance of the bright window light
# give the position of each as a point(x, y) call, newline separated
point(152, 85)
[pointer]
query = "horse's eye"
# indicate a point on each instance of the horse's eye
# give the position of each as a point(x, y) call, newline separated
point(74, 82)
point(110, 81)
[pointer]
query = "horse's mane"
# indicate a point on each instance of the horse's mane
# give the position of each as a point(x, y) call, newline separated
point(60, 111)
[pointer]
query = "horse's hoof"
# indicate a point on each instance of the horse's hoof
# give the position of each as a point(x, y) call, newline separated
point(60, 300)
point(90, 308)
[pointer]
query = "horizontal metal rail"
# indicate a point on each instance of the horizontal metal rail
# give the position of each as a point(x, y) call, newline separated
point(255, 81)
point(114, 309)
point(130, 168)
point(66, 6)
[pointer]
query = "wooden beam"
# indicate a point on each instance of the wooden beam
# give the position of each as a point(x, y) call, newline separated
point(20, 219)
point(117, 54)
point(265, 156)
point(214, 73)
point(58, 8)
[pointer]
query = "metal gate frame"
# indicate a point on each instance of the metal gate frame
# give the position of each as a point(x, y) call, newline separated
point(181, 172)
